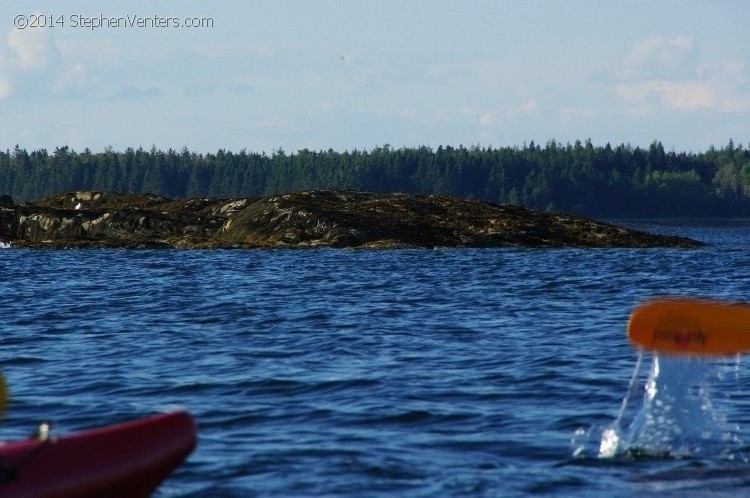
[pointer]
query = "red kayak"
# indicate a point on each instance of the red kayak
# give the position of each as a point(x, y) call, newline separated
point(128, 460)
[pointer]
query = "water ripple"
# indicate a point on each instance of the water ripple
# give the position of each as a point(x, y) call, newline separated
point(356, 373)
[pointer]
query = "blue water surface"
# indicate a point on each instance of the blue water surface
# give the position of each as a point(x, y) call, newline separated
point(366, 372)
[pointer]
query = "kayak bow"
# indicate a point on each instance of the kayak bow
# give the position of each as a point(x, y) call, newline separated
point(125, 460)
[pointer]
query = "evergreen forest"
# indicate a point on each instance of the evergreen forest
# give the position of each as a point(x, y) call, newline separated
point(578, 178)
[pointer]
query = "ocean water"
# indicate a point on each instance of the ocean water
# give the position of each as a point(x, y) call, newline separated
point(493, 372)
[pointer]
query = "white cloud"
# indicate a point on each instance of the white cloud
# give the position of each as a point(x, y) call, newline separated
point(5, 88)
point(71, 79)
point(482, 116)
point(439, 116)
point(5, 84)
point(524, 109)
point(529, 106)
point(686, 96)
point(668, 74)
point(32, 49)
point(660, 58)
point(29, 62)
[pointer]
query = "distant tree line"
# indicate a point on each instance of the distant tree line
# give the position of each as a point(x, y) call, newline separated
point(576, 178)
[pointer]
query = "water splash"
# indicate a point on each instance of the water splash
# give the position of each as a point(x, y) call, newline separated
point(677, 417)
point(4, 245)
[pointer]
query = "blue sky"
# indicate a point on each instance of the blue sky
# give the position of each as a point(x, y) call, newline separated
point(348, 74)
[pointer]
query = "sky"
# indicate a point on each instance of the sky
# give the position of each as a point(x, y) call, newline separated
point(356, 74)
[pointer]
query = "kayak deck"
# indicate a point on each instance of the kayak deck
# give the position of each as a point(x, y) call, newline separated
point(130, 460)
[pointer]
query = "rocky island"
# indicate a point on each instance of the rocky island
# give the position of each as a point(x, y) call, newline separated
point(320, 218)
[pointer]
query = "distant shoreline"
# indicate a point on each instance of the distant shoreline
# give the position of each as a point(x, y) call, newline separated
point(610, 181)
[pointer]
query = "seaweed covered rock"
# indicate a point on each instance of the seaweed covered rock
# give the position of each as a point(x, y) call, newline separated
point(321, 218)
point(329, 218)
point(107, 219)
point(8, 218)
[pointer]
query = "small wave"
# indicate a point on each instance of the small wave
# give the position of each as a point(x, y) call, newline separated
point(4, 245)
point(410, 417)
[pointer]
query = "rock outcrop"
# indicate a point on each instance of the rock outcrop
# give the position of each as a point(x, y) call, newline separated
point(323, 218)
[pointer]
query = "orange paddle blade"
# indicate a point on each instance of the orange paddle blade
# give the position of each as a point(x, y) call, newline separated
point(691, 327)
